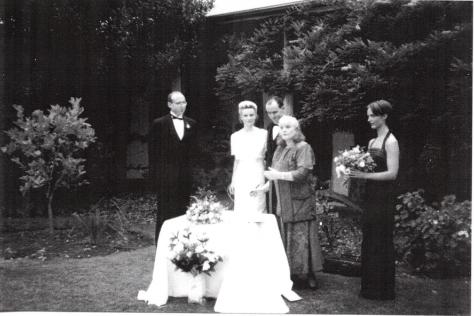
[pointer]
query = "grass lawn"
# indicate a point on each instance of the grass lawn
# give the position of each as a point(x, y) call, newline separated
point(111, 284)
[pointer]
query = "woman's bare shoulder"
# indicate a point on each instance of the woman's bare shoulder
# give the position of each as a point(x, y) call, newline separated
point(391, 140)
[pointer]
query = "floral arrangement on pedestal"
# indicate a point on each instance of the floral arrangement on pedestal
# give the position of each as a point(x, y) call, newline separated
point(205, 209)
point(356, 159)
point(189, 253)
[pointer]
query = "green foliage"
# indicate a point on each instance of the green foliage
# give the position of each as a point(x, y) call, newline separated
point(415, 54)
point(115, 216)
point(341, 61)
point(340, 236)
point(163, 34)
point(93, 225)
point(47, 148)
point(255, 65)
point(434, 239)
point(137, 208)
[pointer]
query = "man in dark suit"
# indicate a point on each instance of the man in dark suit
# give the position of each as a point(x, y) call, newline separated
point(172, 140)
point(275, 110)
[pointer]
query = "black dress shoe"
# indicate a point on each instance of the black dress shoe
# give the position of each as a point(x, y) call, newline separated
point(298, 283)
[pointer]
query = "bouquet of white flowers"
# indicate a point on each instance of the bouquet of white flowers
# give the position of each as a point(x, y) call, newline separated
point(189, 252)
point(356, 159)
point(205, 209)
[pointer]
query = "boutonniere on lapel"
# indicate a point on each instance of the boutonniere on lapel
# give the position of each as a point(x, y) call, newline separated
point(188, 126)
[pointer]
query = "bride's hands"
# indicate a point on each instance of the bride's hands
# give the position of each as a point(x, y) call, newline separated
point(271, 174)
point(260, 188)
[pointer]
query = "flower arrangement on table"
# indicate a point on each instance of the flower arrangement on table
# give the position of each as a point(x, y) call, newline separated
point(354, 159)
point(205, 209)
point(189, 253)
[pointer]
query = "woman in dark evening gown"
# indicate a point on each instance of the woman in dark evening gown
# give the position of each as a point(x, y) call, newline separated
point(378, 255)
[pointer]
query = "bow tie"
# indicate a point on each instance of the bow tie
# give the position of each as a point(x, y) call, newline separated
point(176, 118)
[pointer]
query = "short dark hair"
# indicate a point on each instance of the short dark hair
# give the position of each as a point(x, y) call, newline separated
point(380, 107)
point(276, 99)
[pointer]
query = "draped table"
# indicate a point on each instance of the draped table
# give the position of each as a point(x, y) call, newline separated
point(252, 278)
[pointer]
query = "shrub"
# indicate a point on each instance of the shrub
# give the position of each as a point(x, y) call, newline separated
point(137, 208)
point(93, 224)
point(340, 236)
point(434, 239)
point(116, 216)
point(48, 147)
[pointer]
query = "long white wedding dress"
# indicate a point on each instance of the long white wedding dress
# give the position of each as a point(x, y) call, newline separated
point(250, 285)
point(248, 148)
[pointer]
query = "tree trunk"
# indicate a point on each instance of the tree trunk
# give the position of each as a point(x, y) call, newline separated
point(50, 214)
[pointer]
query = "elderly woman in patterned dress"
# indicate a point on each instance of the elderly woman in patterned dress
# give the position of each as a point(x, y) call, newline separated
point(291, 171)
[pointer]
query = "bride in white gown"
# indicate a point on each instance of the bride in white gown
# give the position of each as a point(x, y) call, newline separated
point(249, 283)
point(248, 146)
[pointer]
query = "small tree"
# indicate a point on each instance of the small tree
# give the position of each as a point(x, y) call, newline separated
point(47, 148)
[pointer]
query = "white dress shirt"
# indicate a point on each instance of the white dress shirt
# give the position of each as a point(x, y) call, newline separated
point(275, 131)
point(178, 125)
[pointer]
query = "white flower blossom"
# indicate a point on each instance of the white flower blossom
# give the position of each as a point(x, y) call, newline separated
point(178, 248)
point(346, 68)
point(206, 266)
point(212, 257)
point(340, 170)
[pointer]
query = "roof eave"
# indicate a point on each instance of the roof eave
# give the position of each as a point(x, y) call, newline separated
point(263, 12)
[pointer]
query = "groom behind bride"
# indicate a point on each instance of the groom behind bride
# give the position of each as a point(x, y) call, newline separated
point(275, 110)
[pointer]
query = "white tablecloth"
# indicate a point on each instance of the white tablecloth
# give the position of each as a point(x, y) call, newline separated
point(254, 273)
